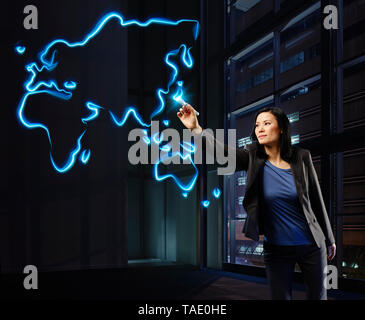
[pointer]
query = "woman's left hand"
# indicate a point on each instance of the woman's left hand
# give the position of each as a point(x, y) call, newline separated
point(331, 252)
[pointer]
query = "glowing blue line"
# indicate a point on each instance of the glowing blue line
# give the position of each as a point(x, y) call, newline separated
point(166, 122)
point(216, 193)
point(191, 147)
point(50, 65)
point(177, 96)
point(85, 156)
point(187, 63)
point(104, 20)
point(30, 68)
point(71, 158)
point(19, 49)
point(166, 148)
point(130, 110)
point(162, 103)
point(70, 84)
point(155, 139)
point(205, 203)
point(146, 140)
point(188, 187)
point(35, 125)
point(94, 108)
point(52, 88)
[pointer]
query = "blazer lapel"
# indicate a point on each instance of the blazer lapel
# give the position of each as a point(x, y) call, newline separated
point(297, 175)
point(251, 176)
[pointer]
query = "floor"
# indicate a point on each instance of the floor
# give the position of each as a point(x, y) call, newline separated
point(152, 280)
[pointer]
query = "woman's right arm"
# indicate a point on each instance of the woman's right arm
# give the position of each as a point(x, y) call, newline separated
point(189, 119)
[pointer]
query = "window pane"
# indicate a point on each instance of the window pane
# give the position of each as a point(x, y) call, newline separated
point(353, 219)
point(251, 74)
point(354, 97)
point(243, 250)
point(300, 47)
point(244, 13)
point(354, 28)
point(302, 104)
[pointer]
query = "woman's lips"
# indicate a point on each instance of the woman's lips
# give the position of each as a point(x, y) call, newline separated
point(262, 136)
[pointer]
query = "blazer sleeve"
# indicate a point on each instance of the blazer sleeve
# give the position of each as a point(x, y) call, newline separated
point(241, 155)
point(317, 203)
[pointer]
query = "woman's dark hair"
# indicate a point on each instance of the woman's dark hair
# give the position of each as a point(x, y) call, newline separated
point(286, 149)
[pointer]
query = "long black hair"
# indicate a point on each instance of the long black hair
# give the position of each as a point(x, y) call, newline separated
point(286, 149)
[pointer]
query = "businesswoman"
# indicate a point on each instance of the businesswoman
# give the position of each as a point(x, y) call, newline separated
point(283, 201)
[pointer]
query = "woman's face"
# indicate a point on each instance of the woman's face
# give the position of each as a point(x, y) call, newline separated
point(267, 129)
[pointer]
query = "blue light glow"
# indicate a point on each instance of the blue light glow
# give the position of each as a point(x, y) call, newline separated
point(85, 156)
point(71, 159)
point(166, 148)
point(188, 146)
point(216, 193)
point(20, 49)
point(94, 108)
point(155, 140)
point(128, 111)
point(205, 203)
point(185, 187)
point(47, 63)
point(70, 85)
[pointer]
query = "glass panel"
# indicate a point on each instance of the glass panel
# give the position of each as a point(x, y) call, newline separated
point(243, 250)
point(353, 220)
point(354, 28)
point(302, 104)
point(228, 258)
point(354, 97)
point(300, 47)
point(244, 13)
point(251, 73)
point(240, 180)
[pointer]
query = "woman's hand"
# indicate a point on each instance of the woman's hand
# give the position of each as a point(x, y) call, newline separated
point(331, 252)
point(188, 117)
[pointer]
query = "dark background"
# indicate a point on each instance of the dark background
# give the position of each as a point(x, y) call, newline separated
point(108, 211)
point(112, 214)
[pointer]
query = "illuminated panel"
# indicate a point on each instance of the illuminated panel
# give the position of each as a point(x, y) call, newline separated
point(243, 142)
point(241, 181)
point(293, 117)
point(51, 87)
point(295, 139)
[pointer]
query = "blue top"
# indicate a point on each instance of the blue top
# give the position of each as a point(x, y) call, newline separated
point(284, 220)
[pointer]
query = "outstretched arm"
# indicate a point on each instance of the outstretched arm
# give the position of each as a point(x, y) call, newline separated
point(188, 117)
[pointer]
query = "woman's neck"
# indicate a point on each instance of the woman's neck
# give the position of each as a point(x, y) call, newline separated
point(273, 153)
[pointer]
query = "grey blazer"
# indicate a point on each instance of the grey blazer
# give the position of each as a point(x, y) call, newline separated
point(306, 182)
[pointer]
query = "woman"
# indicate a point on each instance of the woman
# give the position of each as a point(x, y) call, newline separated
point(283, 201)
